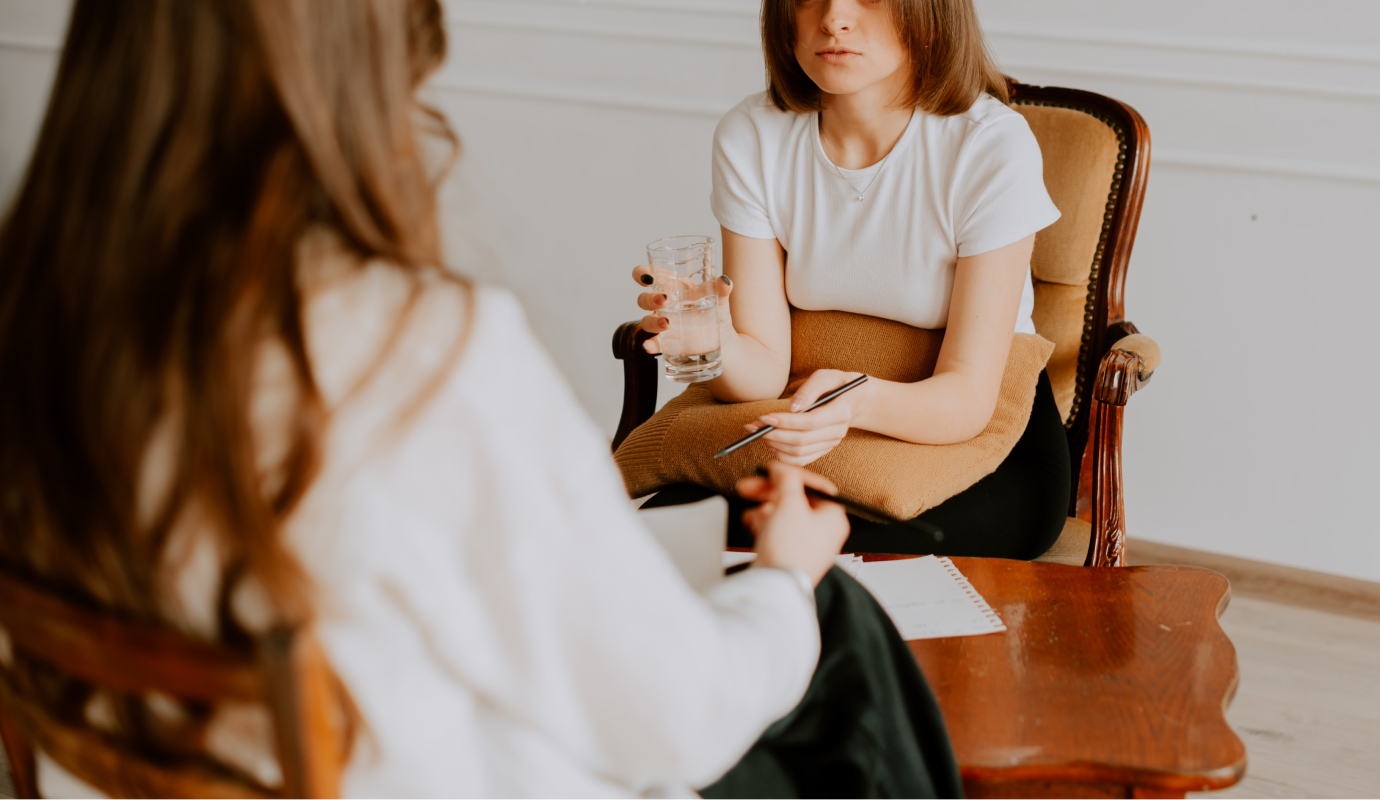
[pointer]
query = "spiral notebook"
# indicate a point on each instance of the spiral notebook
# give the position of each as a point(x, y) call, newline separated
point(928, 598)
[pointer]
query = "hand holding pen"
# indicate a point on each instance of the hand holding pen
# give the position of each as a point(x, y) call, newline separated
point(799, 437)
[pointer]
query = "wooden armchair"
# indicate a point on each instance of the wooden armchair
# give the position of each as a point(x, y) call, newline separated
point(91, 652)
point(1096, 157)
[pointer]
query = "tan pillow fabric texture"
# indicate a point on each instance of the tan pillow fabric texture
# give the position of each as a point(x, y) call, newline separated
point(678, 443)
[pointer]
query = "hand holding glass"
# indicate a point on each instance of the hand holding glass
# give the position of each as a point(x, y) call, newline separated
point(684, 269)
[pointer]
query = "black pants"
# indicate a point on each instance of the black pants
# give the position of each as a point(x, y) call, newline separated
point(868, 726)
point(1016, 512)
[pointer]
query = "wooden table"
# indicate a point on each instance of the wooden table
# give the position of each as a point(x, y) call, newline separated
point(1108, 682)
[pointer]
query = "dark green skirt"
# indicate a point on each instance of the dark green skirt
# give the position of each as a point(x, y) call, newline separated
point(868, 726)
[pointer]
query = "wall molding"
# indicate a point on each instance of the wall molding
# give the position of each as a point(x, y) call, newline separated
point(1202, 81)
point(1266, 165)
point(677, 6)
point(42, 44)
point(595, 29)
point(523, 22)
point(550, 91)
point(1213, 45)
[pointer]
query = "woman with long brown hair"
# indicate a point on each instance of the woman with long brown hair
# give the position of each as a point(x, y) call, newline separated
point(239, 391)
point(883, 174)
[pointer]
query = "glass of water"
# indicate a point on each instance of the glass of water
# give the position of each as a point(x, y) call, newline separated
point(685, 272)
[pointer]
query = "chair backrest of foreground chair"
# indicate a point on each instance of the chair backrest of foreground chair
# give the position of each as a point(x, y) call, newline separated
point(71, 654)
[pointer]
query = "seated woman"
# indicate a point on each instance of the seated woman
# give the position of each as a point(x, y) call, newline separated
point(240, 392)
point(881, 173)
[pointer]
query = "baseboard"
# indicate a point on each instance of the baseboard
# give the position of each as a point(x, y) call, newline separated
point(1288, 585)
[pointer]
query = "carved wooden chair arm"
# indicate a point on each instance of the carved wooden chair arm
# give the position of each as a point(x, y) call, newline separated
point(639, 379)
point(1126, 367)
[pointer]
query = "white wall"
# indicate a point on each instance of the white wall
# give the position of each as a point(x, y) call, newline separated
point(588, 126)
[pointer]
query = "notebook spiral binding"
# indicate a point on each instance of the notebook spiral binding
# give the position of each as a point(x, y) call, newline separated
point(987, 613)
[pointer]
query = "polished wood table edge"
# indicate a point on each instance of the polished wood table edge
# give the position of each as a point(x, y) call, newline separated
point(1102, 773)
point(1107, 774)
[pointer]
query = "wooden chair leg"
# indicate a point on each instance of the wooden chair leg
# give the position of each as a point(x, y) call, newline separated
point(1118, 378)
point(1107, 547)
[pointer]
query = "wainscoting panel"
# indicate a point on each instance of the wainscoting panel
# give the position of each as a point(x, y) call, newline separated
point(588, 125)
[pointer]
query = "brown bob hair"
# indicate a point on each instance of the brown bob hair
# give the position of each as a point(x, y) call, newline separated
point(150, 253)
point(949, 60)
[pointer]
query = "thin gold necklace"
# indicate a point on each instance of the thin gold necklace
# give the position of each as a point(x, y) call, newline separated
point(862, 193)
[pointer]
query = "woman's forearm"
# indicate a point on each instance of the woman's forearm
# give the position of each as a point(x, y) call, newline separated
point(944, 409)
point(751, 370)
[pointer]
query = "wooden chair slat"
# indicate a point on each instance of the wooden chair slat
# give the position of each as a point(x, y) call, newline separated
point(123, 656)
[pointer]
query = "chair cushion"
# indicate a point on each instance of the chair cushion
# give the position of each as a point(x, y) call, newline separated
point(1071, 547)
point(1080, 153)
point(678, 443)
point(1080, 160)
point(1058, 316)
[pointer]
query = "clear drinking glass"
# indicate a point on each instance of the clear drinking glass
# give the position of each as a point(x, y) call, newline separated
point(685, 272)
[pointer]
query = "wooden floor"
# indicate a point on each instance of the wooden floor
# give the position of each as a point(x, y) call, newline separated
point(1308, 707)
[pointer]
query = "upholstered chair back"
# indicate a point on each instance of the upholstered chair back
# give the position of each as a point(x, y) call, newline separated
point(1083, 157)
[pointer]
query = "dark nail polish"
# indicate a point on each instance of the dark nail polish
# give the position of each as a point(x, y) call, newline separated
point(646, 280)
point(727, 280)
point(661, 298)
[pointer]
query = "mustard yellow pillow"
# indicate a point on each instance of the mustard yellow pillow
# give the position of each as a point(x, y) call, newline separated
point(678, 443)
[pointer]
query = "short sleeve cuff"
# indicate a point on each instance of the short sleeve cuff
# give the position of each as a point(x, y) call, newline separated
point(1009, 233)
point(751, 226)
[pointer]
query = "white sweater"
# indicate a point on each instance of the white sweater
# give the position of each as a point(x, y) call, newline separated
point(500, 617)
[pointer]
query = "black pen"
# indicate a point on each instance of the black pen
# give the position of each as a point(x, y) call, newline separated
point(865, 512)
point(758, 434)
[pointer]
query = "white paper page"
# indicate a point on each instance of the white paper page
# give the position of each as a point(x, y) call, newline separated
point(928, 598)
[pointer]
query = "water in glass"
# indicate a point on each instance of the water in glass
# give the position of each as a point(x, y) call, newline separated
point(685, 272)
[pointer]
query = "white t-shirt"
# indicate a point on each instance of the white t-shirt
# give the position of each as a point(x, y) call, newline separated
point(953, 186)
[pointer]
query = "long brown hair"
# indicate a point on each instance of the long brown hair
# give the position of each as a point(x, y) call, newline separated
point(949, 61)
point(149, 252)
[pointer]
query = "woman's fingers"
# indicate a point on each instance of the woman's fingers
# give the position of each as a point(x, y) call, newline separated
point(753, 488)
point(807, 449)
point(651, 301)
point(786, 483)
point(822, 417)
point(787, 437)
point(654, 324)
point(643, 275)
